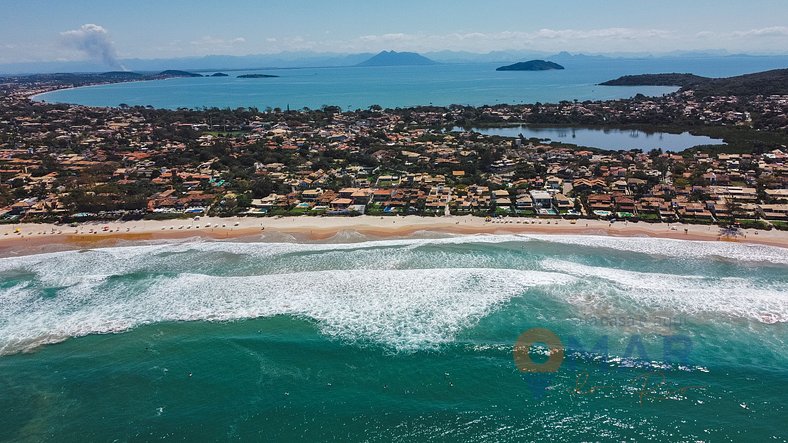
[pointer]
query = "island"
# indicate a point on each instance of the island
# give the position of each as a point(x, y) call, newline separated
point(219, 74)
point(774, 82)
point(393, 58)
point(531, 65)
point(257, 76)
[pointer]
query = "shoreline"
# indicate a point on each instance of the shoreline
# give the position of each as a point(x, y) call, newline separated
point(35, 97)
point(27, 239)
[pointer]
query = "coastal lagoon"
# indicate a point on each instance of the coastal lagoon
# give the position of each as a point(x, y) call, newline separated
point(605, 138)
point(396, 340)
point(401, 86)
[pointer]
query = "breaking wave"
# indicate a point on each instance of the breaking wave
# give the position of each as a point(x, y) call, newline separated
point(400, 308)
point(406, 294)
point(762, 301)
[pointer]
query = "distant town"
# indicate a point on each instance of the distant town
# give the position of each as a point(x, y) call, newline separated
point(68, 163)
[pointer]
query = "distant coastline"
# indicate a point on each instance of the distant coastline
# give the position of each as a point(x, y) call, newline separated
point(257, 76)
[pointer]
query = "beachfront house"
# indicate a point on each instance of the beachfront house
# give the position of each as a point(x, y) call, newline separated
point(340, 204)
point(562, 202)
point(524, 202)
point(541, 199)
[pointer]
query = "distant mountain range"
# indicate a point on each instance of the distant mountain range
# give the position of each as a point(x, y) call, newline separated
point(393, 58)
point(308, 59)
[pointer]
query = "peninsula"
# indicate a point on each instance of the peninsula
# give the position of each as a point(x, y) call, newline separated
point(672, 79)
point(774, 82)
point(531, 65)
point(177, 73)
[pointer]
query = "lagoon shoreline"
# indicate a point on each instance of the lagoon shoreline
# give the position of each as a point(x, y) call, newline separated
point(27, 239)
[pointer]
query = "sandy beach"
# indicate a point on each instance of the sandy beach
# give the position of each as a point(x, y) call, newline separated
point(22, 239)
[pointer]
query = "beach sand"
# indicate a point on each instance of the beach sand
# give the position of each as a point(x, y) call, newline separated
point(23, 239)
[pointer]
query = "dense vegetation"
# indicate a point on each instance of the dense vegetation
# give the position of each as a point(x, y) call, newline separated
point(531, 65)
point(92, 78)
point(672, 79)
point(774, 82)
point(176, 73)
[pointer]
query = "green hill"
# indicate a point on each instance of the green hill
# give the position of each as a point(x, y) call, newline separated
point(774, 82)
point(176, 73)
point(121, 75)
point(531, 65)
point(672, 79)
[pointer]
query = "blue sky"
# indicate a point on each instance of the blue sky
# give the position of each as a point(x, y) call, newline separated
point(38, 30)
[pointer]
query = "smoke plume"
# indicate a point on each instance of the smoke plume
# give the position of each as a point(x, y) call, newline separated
point(94, 41)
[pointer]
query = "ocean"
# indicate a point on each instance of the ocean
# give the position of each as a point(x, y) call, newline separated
point(359, 339)
point(401, 86)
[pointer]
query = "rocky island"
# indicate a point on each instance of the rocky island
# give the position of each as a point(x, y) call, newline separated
point(531, 65)
point(219, 74)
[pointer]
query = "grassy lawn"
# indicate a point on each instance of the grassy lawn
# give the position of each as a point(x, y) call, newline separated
point(754, 224)
point(780, 225)
point(649, 217)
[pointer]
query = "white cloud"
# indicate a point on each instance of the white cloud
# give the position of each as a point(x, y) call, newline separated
point(210, 44)
point(542, 39)
point(388, 37)
point(94, 40)
point(773, 31)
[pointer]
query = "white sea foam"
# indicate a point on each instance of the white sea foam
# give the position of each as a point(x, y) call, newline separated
point(404, 309)
point(357, 291)
point(65, 268)
point(256, 248)
point(653, 246)
point(684, 294)
point(674, 248)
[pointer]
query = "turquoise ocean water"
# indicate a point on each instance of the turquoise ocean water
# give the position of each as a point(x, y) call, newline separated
point(395, 340)
point(443, 84)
